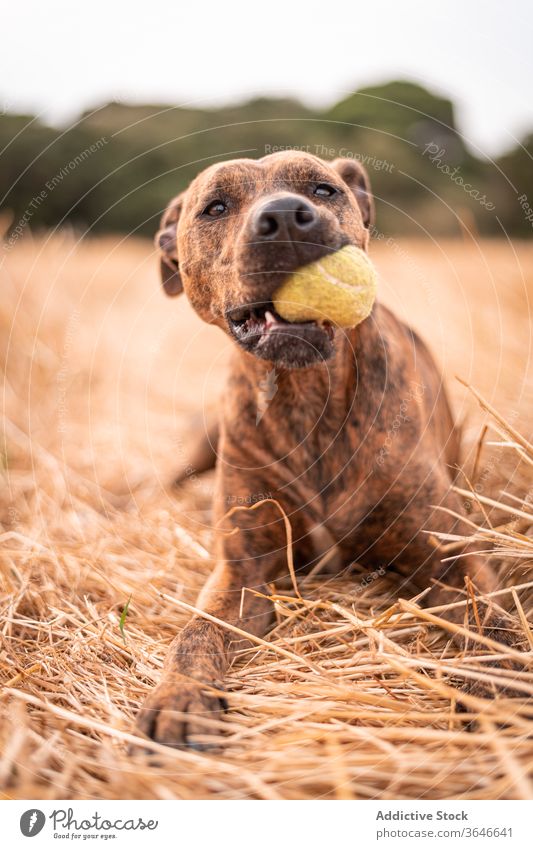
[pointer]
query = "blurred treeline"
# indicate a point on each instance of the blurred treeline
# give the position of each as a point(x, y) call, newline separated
point(142, 155)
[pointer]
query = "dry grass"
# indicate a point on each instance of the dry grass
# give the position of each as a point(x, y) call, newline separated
point(355, 697)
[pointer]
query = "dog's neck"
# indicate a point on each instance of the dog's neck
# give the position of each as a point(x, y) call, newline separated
point(325, 389)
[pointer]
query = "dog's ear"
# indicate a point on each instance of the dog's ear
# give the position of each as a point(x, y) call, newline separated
point(353, 173)
point(165, 242)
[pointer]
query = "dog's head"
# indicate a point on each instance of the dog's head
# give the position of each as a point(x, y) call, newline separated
point(242, 227)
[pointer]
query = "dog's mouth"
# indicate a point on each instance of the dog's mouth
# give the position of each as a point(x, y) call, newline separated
point(260, 330)
point(261, 320)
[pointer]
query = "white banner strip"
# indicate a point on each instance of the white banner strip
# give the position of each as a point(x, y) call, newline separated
point(269, 825)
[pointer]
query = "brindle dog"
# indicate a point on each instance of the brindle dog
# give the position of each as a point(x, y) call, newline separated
point(326, 446)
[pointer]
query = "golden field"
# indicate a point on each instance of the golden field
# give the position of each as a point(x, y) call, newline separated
point(103, 379)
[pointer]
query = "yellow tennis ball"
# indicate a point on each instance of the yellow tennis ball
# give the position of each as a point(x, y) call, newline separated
point(339, 288)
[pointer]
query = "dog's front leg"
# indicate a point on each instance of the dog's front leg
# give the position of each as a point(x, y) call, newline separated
point(183, 706)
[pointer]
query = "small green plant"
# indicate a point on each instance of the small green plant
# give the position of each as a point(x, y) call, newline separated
point(123, 619)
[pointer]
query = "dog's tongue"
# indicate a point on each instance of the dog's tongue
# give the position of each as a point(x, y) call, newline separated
point(269, 319)
point(272, 320)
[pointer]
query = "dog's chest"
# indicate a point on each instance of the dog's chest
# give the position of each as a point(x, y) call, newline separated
point(326, 457)
point(329, 464)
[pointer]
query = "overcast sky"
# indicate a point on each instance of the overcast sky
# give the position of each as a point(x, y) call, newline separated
point(58, 58)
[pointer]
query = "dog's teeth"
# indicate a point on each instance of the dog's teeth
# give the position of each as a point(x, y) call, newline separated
point(269, 318)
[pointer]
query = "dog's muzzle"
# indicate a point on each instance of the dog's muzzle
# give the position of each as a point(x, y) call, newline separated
point(261, 331)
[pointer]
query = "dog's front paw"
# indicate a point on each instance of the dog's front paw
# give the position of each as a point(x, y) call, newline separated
point(181, 712)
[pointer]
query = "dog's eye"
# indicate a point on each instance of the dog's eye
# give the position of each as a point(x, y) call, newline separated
point(215, 209)
point(324, 190)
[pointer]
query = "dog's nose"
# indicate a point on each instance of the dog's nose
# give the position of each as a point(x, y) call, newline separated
point(284, 219)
